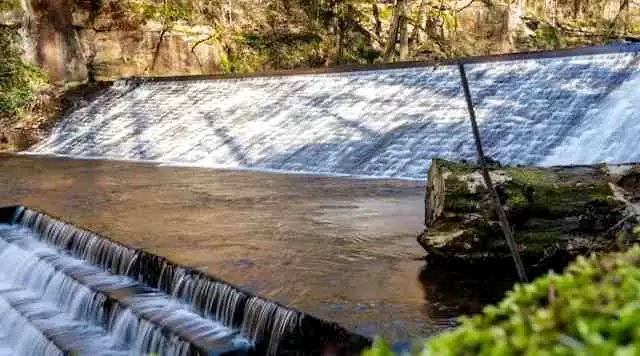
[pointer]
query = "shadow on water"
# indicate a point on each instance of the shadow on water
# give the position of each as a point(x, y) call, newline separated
point(452, 293)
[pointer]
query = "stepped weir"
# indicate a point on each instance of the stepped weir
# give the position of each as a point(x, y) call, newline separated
point(552, 108)
point(65, 290)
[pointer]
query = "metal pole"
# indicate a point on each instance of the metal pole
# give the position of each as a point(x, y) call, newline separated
point(504, 223)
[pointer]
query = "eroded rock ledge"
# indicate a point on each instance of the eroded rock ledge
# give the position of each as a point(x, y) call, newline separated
point(556, 212)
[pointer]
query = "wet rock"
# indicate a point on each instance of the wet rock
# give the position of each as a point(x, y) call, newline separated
point(20, 138)
point(629, 180)
point(553, 211)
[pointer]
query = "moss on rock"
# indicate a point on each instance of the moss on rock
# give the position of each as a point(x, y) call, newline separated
point(551, 210)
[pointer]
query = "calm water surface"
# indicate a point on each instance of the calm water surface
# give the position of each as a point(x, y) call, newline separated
point(339, 248)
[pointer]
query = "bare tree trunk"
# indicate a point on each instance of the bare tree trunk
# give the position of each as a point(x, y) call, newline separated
point(376, 17)
point(193, 50)
point(416, 35)
point(577, 9)
point(165, 28)
point(339, 41)
point(404, 40)
point(229, 13)
point(339, 24)
point(156, 52)
point(504, 223)
point(624, 5)
point(393, 32)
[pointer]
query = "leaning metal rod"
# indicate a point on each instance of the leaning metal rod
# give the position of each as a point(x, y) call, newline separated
point(504, 223)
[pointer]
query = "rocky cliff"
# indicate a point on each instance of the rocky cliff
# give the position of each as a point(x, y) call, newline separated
point(74, 40)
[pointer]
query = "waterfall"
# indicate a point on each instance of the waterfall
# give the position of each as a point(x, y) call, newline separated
point(19, 337)
point(74, 295)
point(91, 295)
point(379, 122)
point(609, 132)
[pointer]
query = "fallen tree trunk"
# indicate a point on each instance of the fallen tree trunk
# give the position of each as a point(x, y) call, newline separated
point(558, 211)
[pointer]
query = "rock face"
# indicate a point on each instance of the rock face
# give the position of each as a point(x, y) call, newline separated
point(72, 43)
point(553, 211)
point(74, 40)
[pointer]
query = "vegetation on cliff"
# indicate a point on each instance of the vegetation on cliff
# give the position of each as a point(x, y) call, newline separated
point(593, 308)
point(19, 81)
point(17, 78)
point(112, 38)
point(256, 35)
point(9, 5)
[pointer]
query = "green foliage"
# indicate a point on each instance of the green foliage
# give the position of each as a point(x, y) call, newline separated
point(9, 5)
point(17, 78)
point(593, 308)
point(168, 11)
point(634, 28)
point(255, 51)
point(379, 348)
point(547, 37)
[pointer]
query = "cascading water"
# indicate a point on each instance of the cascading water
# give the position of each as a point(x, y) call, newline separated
point(66, 298)
point(73, 291)
point(377, 123)
point(19, 337)
point(609, 133)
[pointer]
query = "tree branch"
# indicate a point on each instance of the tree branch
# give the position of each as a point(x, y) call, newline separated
point(464, 7)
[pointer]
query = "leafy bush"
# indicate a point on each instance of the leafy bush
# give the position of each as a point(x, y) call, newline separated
point(167, 12)
point(17, 78)
point(9, 5)
point(593, 308)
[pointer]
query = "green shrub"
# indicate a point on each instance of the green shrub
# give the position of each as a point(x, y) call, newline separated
point(17, 78)
point(9, 5)
point(593, 308)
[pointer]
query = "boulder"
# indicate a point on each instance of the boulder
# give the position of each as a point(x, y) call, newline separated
point(21, 138)
point(556, 211)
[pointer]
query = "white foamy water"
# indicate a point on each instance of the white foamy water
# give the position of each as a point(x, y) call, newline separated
point(387, 123)
point(90, 295)
point(53, 296)
point(611, 131)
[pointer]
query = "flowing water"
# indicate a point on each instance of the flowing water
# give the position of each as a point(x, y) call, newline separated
point(342, 249)
point(383, 123)
point(66, 300)
point(339, 248)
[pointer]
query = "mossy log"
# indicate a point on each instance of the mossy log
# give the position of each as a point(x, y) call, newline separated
point(554, 212)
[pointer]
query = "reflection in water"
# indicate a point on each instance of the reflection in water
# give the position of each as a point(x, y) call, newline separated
point(339, 248)
point(461, 293)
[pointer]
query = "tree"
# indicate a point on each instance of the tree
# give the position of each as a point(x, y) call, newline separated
point(17, 78)
point(376, 18)
point(168, 12)
point(398, 29)
point(416, 35)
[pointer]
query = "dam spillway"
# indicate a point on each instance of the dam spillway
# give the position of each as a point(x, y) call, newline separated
point(576, 108)
point(64, 290)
